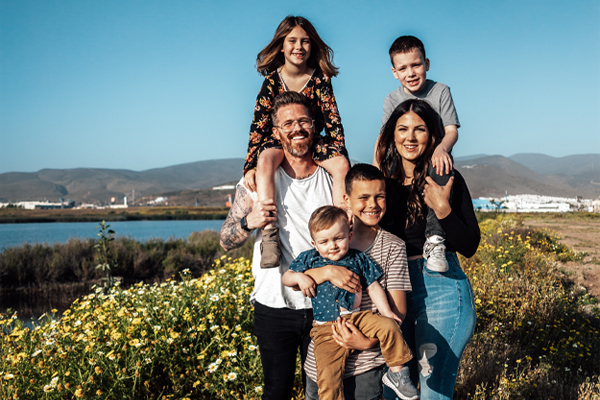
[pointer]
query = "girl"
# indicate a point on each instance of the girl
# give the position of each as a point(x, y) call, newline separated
point(296, 59)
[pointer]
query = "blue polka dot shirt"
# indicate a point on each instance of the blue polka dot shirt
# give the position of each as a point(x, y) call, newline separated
point(329, 298)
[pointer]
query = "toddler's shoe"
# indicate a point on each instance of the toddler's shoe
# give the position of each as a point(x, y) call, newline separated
point(401, 384)
point(434, 251)
point(270, 248)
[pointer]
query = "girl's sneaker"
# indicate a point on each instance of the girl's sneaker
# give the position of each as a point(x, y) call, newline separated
point(401, 384)
point(270, 248)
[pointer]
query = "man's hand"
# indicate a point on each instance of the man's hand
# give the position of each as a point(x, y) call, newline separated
point(250, 180)
point(441, 161)
point(263, 213)
point(347, 335)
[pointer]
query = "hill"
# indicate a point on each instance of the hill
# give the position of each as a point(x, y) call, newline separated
point(495, 176)
point(191, 183)
point(99, 185)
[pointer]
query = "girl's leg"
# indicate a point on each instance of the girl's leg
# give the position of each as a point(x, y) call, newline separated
point(338, 168)
point(267, 163)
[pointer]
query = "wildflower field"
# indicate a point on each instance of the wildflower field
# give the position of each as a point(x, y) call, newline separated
point(536, 336)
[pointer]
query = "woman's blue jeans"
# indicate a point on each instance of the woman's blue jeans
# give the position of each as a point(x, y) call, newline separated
point(440, 322)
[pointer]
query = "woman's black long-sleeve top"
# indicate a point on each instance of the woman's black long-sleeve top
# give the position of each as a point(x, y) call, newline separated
point(460, 226)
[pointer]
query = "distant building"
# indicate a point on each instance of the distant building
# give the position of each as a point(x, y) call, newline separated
point(530, 203)
point(224, 187)
point(596, 206)
point(42, 205)
point(158, 200)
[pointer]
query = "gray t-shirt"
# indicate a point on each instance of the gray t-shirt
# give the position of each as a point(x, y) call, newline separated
point(435, 93)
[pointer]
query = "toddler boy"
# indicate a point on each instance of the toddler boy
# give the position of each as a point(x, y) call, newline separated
point(330, 231)
point(410, 66)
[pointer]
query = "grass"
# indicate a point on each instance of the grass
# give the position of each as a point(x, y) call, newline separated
point(536, 336)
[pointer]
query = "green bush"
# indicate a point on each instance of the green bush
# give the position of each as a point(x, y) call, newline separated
point(187, 339)
point(154, 260)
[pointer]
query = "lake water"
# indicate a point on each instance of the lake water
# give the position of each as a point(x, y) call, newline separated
point(53, 232)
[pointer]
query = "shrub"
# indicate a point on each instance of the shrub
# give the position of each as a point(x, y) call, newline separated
point(188, 339)
point(535, 337)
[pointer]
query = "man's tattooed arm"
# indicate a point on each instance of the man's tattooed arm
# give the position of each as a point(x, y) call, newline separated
point(232, 235)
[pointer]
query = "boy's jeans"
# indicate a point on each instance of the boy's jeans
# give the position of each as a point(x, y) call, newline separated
point(440, 322)
point(433, 226)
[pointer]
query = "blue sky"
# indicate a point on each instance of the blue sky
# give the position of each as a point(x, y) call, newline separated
point(147, 84)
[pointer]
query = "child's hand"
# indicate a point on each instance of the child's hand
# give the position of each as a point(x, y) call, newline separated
point(307, 285)
point(250, 180)
point(392, 316)
point(441, 161)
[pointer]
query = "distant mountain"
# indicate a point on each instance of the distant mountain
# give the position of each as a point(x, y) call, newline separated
point(494, 176)
point(561, 166)
point(99, 185)
point(487, 176)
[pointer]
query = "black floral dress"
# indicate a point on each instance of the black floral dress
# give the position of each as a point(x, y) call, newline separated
point(319, 92)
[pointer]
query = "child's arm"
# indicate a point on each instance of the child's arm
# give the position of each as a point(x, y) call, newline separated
point(379, 298)
point(298, 279)
point(397, 300)
point(441, 159)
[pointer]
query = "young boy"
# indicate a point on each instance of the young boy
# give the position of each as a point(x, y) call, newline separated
point(331, 235)
point(410, 66)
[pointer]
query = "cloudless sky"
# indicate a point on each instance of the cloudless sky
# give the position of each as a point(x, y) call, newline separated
point(146, 84)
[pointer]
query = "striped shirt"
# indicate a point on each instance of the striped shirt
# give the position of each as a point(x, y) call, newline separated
point(389, 252)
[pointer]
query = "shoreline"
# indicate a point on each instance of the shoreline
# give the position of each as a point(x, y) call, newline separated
point(21, 216)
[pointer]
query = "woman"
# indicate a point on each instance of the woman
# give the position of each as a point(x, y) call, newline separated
point(441, 314)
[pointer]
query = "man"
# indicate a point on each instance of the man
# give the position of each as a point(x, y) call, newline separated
point(282, 316)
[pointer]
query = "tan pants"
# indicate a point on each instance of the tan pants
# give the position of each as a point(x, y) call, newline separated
point(331, 357)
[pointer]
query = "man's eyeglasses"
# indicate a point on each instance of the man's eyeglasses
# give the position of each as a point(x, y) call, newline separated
point(288, 126)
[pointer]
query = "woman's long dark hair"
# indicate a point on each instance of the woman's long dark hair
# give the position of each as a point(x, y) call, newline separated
point(390, 162)
point(321, 56)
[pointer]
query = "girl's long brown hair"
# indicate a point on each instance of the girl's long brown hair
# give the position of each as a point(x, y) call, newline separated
point(390, 161)
point(321, 56)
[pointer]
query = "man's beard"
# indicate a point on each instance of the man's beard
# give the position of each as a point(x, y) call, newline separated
point(297, 149)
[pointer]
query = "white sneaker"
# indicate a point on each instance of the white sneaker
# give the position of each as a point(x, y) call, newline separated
point(400, 383)
point(434, 251)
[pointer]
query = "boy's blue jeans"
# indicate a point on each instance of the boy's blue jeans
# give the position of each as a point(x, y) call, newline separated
point(433, 226)
point(440, 322)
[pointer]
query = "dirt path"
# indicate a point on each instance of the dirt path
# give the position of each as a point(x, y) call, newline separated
point(582, 234)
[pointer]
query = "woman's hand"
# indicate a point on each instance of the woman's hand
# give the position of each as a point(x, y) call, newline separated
point(437, 197)
point(349, 337)
point(263, 213)
point(250, 180)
